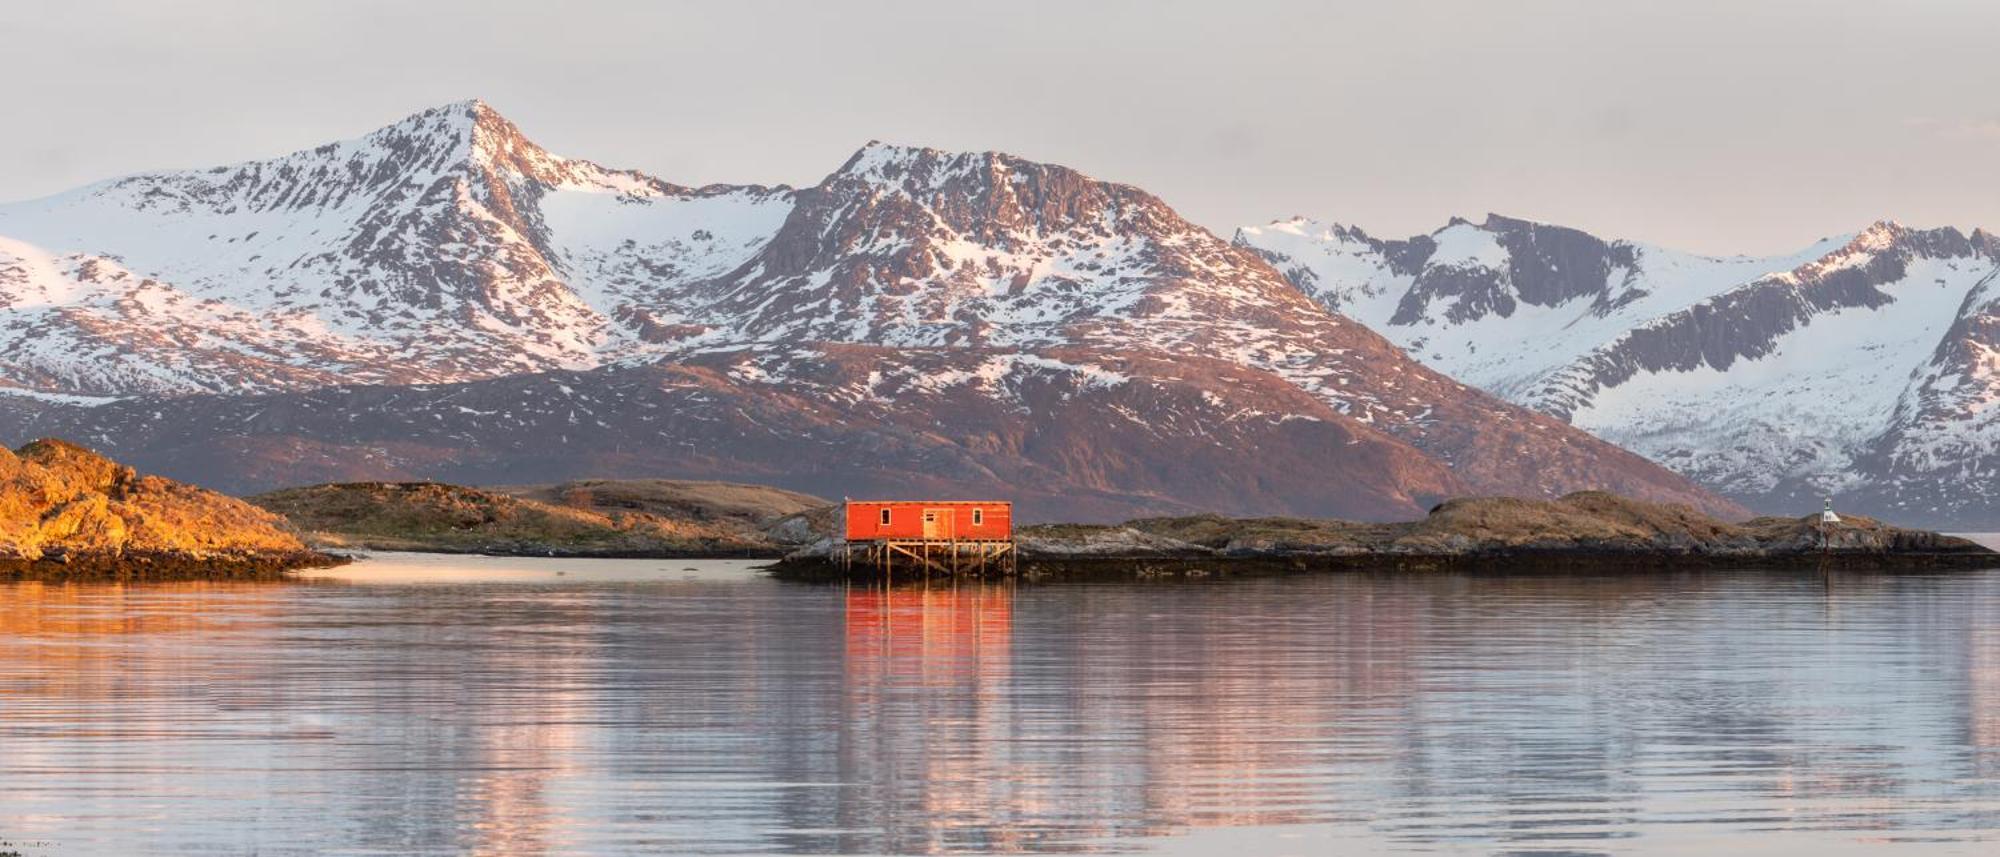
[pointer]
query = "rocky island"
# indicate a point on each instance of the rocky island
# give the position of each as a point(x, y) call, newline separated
point(68, 512)
point(583, 518)
point(1583, 529)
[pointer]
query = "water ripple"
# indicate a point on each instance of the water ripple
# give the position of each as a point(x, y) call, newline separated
point(636, 711)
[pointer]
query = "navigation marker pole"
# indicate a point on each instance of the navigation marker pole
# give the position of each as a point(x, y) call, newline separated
point(1827, 520)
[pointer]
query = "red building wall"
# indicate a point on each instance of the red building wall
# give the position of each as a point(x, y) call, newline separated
point(953, 519)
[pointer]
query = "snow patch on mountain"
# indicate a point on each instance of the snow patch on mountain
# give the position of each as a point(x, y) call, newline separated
point(1805, 411)
point(1863, 361)
point(626, 255)
point(1465, 246)
point(1505, 351)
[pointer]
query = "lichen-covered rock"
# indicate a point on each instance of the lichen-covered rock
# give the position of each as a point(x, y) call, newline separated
point(821, 548)
point(1592, 520)
point(1088, 541)
point(63, 504)
point(796, 530)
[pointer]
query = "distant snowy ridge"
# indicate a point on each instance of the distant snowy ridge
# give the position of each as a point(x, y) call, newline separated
point(1859, 366)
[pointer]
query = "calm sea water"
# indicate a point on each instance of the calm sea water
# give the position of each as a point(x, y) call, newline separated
point(413, 705)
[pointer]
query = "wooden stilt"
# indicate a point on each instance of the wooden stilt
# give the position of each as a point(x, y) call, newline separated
point(947, 558)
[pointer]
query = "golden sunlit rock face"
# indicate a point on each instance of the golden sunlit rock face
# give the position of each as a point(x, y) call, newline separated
point(61, 503)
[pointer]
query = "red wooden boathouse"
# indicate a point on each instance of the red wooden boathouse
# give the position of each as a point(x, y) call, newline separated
point(950, 536)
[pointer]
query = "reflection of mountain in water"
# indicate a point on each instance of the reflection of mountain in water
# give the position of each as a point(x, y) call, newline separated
point(1522, 712)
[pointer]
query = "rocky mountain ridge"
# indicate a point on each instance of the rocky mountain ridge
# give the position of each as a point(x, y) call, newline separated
point(442, 298)
point(1856, 368)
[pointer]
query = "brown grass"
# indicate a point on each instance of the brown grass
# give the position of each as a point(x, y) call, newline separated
point(597, 517)
point(1587, 521)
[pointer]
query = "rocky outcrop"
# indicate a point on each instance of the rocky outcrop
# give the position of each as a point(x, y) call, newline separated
point(1582, 525)
point(602, 518)
point(1059, 540)
point(1538, 264)
point(67, 510)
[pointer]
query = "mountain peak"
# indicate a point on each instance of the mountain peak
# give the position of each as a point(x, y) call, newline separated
point(470, 135)
point(1889, 235)
point(1881, 232)
point(465, 107)
point(1987, 242)
point(465, 112)
point(1302, 227)
point(1495, 222)
point(913, 167)
point(468, 131)
point(988, 193)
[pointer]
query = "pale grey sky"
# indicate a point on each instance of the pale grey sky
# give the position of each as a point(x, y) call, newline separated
point(1715, 126)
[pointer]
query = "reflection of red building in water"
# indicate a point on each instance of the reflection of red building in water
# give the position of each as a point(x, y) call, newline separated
point(935, 635)
point(927, 700)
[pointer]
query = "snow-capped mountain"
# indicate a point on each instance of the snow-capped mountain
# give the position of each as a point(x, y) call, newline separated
point(405, 303)
point(445, 247)
point(1858, 367)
